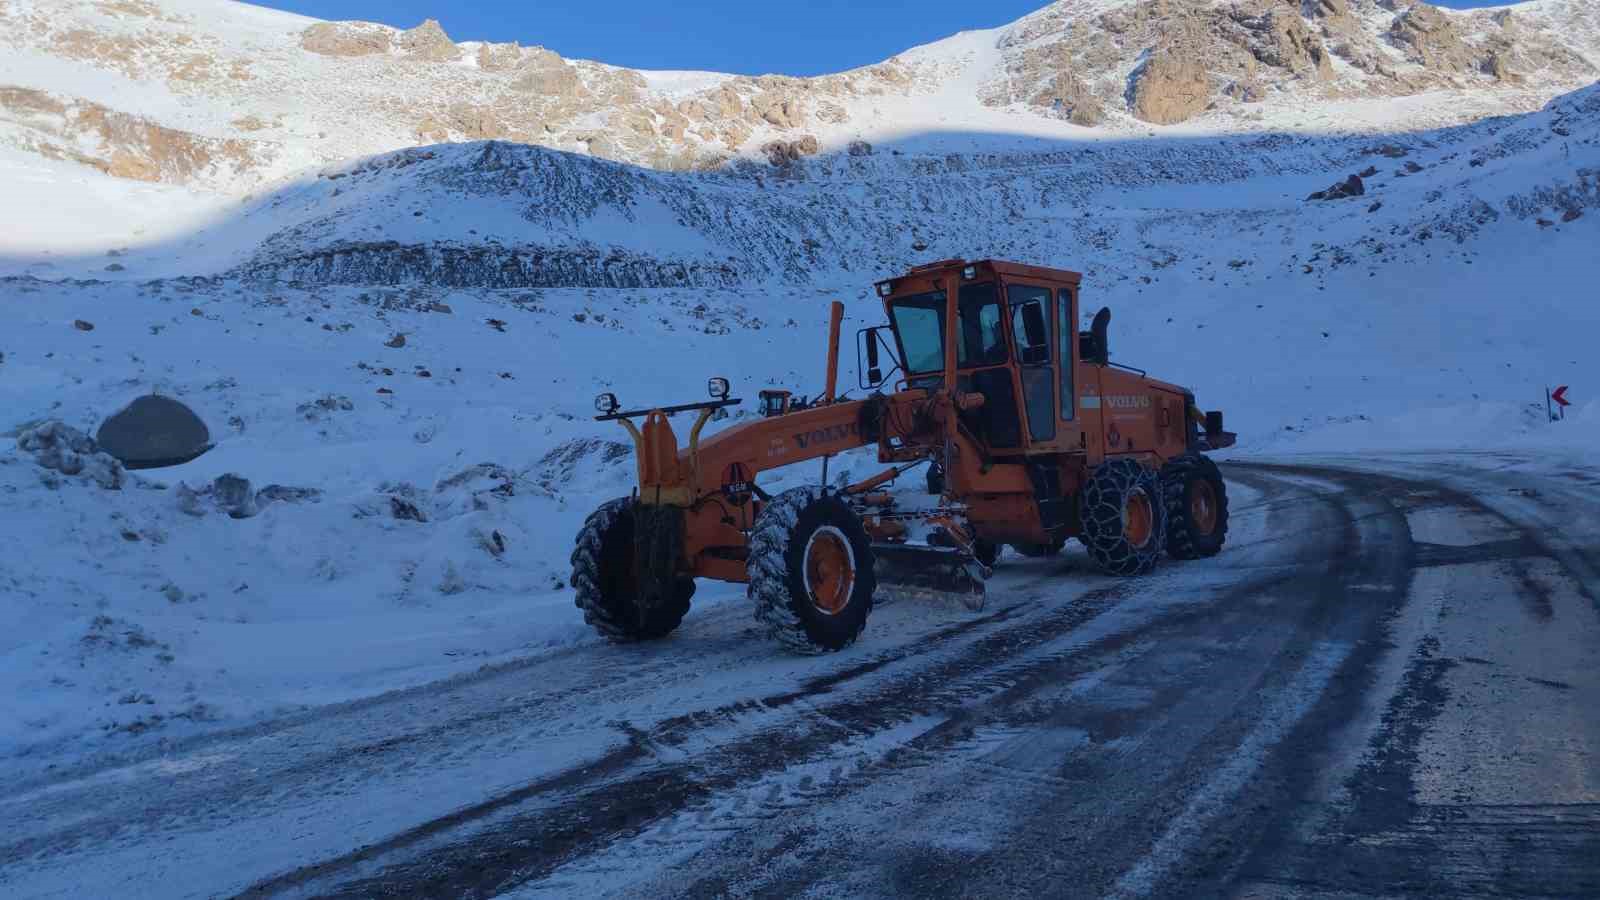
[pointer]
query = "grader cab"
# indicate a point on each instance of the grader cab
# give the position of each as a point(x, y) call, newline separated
point(1030, 435)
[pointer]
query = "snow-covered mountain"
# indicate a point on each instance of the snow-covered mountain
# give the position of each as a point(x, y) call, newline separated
point(225, 95)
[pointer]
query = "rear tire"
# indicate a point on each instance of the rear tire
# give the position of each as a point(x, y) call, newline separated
point(606, 585)
point(1124, 518)
point(811, 571)
point(1197, 507)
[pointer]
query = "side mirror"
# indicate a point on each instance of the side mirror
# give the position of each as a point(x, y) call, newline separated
point(869, 356)
point(1035, 341)
point(1034, 329)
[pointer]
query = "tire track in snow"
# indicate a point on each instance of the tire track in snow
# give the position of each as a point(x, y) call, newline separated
point(540, 841)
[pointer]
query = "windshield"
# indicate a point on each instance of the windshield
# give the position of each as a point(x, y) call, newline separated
point(919, 324)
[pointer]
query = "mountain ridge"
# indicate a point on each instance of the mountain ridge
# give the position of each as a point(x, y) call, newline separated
point(227, 97)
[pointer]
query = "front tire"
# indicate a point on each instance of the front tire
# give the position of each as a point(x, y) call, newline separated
point(1197, 507)
point(811, 571)
point(608, 587)
point(1124, 518)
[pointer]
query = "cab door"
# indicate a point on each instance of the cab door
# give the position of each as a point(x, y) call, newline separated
point(1034, 350)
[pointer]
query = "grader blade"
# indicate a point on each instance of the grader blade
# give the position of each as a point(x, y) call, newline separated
point(924, 572)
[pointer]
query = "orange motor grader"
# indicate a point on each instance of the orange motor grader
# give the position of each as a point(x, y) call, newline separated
point(1031, 436)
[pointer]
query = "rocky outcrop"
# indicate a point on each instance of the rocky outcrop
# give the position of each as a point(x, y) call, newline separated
point(1047, 79)
point(428, 42)
point(346, 39)
point(782, 153)
point(1170, 87)
point(1277, 36)
point(499, 57)
point(119, 144)
point(1432, 39)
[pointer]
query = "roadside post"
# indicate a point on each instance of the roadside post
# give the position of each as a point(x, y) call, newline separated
point(1556, 403)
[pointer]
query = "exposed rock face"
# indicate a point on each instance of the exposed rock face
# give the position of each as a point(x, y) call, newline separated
point(428, 42)
point(1280, 38)
point(346, 39)
point(499, 57)
point(152, 432)
point(119, 144)
point(1046, 78)
point(1327, 9)
point(1169, 88)
point(1433, 39)
point(782, 153)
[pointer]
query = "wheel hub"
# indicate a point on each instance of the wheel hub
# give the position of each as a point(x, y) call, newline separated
point(1138, 518)
point(829, 570)
point(1203, 506)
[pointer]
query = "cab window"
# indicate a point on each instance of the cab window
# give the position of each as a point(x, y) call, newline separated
point(982, 340)
point(919, 326)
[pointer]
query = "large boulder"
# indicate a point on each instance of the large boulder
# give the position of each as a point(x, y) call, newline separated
point(1169, 88)
point(152, 432)
point(1350, 187)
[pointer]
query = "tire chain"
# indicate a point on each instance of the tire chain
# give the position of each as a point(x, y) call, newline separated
point(1102, 517)
point(768, 566)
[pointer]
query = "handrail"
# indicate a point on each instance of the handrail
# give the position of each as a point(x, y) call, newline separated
point(668, 410)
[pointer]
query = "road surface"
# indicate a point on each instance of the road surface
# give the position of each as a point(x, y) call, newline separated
point(1385, 686)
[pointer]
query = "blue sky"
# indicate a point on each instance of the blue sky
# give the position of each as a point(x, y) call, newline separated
point(751, 37)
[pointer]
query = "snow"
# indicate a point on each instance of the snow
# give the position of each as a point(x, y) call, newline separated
point(677, 85)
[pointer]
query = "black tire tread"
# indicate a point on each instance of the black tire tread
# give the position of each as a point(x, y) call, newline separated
point(615, 621)
point(1182, 541)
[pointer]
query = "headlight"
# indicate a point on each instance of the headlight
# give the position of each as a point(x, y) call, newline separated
point(885, 288)
point(718, 388)
point(969, 273)
point(606, 404)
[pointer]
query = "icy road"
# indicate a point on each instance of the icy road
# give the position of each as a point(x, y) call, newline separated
point(1386, 685)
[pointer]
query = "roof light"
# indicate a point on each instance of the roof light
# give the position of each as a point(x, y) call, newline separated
point(969, 273)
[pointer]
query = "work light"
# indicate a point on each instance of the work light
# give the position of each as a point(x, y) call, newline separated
point(606, 404)
point(718, 388)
